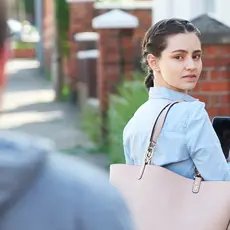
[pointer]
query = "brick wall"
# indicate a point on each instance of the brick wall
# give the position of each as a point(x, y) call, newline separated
point(81, 15)
point(214, 85)
point(145, 21)
point(24, 53)
point(48, 31)
point(111, 68)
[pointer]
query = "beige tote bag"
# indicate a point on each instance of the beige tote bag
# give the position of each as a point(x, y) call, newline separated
point(160, 199)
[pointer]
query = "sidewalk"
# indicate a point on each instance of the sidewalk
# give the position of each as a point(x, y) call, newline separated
point(29, 106)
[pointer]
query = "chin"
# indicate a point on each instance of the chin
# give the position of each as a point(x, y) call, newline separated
point(188, 87)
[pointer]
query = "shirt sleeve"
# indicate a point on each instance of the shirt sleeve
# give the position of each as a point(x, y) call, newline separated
point(128, 159)
point(204, 146)
point(127, 154)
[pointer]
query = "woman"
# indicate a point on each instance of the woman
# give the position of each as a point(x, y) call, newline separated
point(172, 55)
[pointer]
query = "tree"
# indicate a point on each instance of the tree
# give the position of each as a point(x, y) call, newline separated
point(61, 43)
point(29, 6)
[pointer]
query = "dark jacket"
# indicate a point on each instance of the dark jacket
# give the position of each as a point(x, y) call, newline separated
point(43, 190)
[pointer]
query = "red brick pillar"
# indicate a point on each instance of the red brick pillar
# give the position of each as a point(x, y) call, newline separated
point(214, 85)
point(115, 30)
point(86, 61)
point(81, 15)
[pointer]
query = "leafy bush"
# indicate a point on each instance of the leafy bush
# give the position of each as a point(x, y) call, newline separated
point(62, 14)
point(131, 94)
point(91, 121)
point(65, 93)
point(18, 45)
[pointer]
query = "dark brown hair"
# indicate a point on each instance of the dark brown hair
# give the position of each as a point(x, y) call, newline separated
point(155, 41)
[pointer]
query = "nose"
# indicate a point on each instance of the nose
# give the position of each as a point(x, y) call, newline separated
point(190, 64)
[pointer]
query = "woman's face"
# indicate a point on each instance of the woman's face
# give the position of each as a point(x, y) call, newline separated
point(180, 65)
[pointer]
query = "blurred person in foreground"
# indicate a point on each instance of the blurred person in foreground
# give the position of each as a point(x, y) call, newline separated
point(42, 190)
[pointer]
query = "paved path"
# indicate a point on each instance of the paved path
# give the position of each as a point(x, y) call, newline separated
point(29, 106)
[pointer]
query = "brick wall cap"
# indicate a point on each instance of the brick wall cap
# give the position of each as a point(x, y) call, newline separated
point(142, 5)
point(88, 54)
point(210, 25)
point(212, 30)
point(86, 36)
point(93, 102)
point(115, 19)
point(72, 1)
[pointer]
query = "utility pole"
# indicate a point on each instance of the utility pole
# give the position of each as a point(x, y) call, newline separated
point(57, 71)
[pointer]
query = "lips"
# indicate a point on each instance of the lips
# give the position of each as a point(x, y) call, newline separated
point(190, 76)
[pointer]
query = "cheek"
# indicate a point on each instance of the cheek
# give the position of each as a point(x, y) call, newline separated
point(172, 69)
point(200, 66)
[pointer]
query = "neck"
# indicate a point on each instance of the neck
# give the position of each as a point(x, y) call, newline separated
point(160, 82)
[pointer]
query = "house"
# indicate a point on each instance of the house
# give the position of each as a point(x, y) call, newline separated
point(211, 16)
point(190, 9)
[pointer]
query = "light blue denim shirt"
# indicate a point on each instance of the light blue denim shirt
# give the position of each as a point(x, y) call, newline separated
point(187, 137)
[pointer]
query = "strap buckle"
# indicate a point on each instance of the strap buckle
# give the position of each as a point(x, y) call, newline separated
point(149, 152)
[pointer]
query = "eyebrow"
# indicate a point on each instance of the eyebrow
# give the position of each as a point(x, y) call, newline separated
point(185, 51)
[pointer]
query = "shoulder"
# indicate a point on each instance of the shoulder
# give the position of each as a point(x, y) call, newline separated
point(193, 109)
point(179, 116)
point(85, 191)
point(196, 111)
point(190, 106)
point(188, 113)
point(76, 173)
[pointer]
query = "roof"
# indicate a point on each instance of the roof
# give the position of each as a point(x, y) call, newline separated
point(212, 31)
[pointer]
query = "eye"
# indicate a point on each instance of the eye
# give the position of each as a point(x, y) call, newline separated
point(179, 57)
point(197, 57)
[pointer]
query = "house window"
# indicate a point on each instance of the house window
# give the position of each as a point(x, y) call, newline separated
point(209, 6)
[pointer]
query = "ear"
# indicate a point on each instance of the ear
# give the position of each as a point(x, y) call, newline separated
point(153, 62)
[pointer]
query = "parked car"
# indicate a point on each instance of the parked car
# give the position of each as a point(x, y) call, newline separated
point(15, 28)
point(23, 31)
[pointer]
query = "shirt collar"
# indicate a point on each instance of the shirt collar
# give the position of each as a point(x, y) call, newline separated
point(166, 93)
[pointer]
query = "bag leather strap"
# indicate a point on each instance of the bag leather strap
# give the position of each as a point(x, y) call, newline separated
point(157, 127)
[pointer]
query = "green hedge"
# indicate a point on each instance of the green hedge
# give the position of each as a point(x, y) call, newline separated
point(23, 45)
point(131, 95)
point(62, 15)
point(91, 123)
